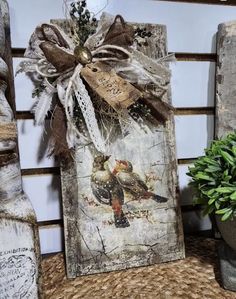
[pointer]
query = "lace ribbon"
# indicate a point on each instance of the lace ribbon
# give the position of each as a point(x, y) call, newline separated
point(76, 87)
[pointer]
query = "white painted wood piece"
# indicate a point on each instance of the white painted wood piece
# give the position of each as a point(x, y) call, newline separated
point(19, 244)
point(225, 79)
point(123, 239)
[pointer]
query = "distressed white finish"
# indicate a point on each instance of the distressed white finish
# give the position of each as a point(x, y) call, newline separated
point(191, 28)
point(225, 79)
point(134, 229)
point(19, 243)
point(18, 269)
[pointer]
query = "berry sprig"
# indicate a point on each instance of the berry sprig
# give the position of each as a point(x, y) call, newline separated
point(86, 23)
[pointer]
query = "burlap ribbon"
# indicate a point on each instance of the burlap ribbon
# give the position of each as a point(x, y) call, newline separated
point(55, 58)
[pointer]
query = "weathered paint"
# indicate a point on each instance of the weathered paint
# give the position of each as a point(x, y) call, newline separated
point(19, 243)
point(93, 242)
point(225, 79)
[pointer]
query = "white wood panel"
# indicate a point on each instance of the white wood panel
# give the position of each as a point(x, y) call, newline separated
point(186, 191)
point(44, 192)
point(23, 89)
point(50, 239)
point(194, 221)
point(33, 145)
point(191, 28)
point(193, 84)
point(193, 134)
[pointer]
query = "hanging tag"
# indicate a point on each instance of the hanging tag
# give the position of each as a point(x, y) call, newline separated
point(113, 89)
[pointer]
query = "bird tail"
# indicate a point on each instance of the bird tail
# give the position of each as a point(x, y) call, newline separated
point(156, 197)
point(121, 221)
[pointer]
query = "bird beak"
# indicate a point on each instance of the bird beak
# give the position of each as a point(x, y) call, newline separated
point(115, 171)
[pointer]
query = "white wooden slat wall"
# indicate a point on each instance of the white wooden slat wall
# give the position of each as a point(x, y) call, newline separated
point(191, 28)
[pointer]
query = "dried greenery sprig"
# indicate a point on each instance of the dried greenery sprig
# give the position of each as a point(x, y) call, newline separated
point(85, 22)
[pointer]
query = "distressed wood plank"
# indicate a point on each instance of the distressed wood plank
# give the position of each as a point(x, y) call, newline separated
point(19, 246)
point(10, 92)
point(93, 242)
point(225, 79)
point(70, 211)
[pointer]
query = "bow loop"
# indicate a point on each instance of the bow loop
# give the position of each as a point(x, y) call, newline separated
point(120, 33)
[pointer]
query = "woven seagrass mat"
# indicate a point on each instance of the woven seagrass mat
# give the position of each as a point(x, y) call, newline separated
point(196, 277)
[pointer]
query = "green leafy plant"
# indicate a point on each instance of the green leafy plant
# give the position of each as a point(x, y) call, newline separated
point(214, 178)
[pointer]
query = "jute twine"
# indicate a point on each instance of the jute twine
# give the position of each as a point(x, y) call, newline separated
point(196, 277)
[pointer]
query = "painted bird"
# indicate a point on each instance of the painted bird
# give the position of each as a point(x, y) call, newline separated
point(132, 183)
point(107, 190)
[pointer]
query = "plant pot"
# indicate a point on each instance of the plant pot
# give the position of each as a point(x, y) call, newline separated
point(227, 253)
point(227, 230)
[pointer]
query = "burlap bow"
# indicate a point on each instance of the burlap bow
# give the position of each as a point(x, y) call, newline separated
point(108, 63)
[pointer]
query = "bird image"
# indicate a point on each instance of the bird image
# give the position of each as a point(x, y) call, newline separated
point(132, 183)
point(107, 190)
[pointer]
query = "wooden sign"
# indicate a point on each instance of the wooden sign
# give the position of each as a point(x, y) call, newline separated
point(122, 210)
point(116, 91)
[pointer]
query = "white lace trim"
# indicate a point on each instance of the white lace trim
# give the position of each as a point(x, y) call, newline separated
point(76, 87)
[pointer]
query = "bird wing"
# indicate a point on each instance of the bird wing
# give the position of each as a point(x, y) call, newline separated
point(129, 182)
point(140, 181)
point(102, 194)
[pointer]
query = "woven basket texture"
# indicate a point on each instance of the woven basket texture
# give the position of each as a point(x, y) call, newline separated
point(195, 277)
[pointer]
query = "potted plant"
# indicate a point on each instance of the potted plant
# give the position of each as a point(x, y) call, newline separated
point(214, 182)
